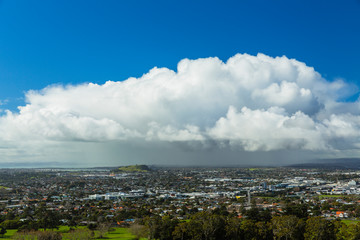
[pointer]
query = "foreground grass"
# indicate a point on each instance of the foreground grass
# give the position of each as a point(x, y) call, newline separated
point(117, 233)
point(348, 221)
point(9, 233)
point(120, 233)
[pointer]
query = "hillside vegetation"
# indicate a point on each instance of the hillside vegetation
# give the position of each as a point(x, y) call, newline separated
point(133, 168)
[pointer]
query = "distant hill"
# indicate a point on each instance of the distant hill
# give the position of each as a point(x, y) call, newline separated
point(336, 163)
point(133, 168)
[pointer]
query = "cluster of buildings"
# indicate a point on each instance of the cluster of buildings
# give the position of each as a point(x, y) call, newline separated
point(179, 191)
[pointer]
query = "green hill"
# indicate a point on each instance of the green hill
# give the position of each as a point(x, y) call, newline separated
point(133, 168)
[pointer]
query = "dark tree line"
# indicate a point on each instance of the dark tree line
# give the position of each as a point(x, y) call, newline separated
point(214, 226)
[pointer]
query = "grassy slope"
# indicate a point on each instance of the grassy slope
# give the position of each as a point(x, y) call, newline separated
point(119, 233)
point(133, 168)
point(331, 196)
point(8, 234)
point(348, 222)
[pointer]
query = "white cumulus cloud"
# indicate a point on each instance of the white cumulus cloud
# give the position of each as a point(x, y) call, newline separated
point(249, 103)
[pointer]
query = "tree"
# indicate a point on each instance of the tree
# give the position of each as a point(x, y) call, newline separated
point(103, 228)
point(249, 230)
point(265, 215)
point(167, 226)
point(298, 210)
point(316, 210)
point(233, 229)
point(286, 227)
point(28, 226)
point(48, 235)
point(264, 231)
point(253, 214)
point(326, 206)
point(319, 228)
point(2, 231)
point(354, 231)
point(221, 211)
point(343, 232)
point(357, 211)
point(92, 226)
point(153, 224)
point(11, 224)
point(139, 231)
point(211, 226)
point(181, 231)
point(47, 219)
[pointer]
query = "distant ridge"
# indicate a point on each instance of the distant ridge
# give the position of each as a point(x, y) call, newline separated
point(133, 168)
point(335, 163)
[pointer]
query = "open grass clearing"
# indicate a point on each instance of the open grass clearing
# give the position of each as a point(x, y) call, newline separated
point(349, 221)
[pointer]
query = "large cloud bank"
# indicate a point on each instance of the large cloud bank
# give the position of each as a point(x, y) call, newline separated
point(248, 103)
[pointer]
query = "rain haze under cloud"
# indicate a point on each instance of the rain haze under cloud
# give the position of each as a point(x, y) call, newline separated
point(247, 110)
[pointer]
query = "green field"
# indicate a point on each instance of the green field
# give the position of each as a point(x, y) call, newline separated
point(331, 196)
point(9, 234)
point(118, 233)
point(348, 222)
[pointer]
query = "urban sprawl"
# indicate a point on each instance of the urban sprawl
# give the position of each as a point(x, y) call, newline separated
point(168, 202)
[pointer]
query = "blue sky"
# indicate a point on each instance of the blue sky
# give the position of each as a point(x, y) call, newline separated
point(51, 42)
point(297, 100)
